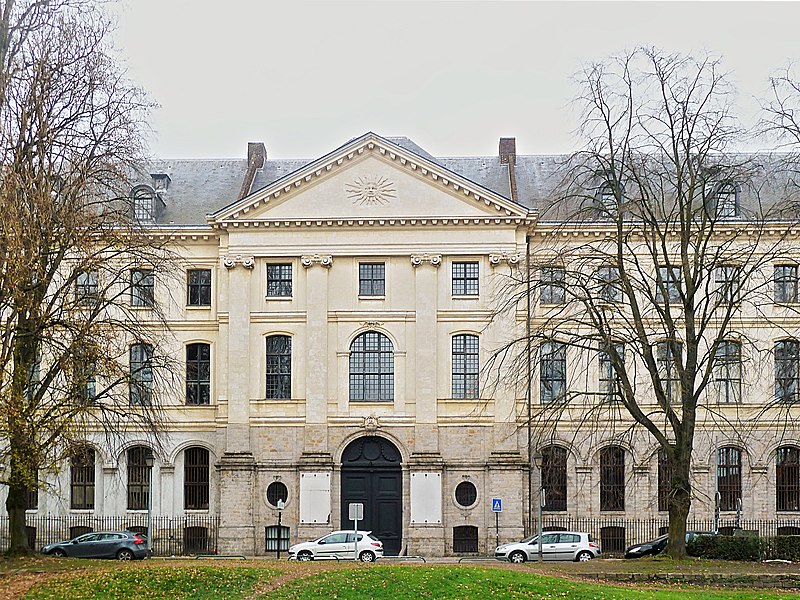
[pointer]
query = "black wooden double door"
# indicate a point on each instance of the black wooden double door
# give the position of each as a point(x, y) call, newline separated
point(371, 475)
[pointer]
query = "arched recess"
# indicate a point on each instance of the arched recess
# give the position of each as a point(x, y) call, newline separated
point(372, 475)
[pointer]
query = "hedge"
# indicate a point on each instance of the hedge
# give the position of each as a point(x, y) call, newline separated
point(724, 547)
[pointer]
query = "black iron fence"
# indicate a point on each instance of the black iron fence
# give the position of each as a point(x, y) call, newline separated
point(171, 535)
point(616, 534)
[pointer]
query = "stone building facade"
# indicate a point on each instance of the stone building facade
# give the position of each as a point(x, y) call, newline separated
point(335, 320)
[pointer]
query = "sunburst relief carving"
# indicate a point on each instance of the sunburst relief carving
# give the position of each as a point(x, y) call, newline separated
point(370, 190)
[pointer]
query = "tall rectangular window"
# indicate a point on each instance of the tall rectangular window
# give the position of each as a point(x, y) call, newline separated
point(608, 384)
point(609, 285)
point(198, 374)
point(552, 372)
point(787, 479)
point(139, 473)
point(141, 383)
point(727, 200)
point(82, 479)
point(465, 278)
point(727, 281)
point(279, 280)
point(142, 283)
point(371, 279)
point(554, 478)
point(728, 371)
point(279, 367)
point(199, 287)
point(552, 285)
point(465, 366)
point(668, 355)
point(32, 501)
point(668, 286)
point(787, 371)
point(664, 481)
point(195, 479)
point(785, 282)
point(86, 291)
point(612, 478)
point(729, 477)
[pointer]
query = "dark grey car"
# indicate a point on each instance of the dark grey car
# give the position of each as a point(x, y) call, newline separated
point(122, 545)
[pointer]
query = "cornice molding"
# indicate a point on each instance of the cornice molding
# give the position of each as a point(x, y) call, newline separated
point(380, 222)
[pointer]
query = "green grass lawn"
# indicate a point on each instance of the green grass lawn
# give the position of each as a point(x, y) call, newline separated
point(182, 582)
point(472, 583)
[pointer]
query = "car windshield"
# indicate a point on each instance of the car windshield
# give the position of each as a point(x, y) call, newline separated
point(527, 539)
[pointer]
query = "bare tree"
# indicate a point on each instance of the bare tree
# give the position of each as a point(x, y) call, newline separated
point(78, 357)
point(652, 267)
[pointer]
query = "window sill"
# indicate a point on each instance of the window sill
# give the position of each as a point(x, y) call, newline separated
point(466, 296)
point(202, 307)
point(378, 402)
point(367, 298)
point(132, 307)
point(196, 405)
point(195, 511)
point(82, 511)
point(278, 298)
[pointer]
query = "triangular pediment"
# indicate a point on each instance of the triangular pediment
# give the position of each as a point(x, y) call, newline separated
point(370, 178)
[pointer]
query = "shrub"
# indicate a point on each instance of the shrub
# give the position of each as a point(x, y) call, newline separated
point(785, 547)
point(724, 547)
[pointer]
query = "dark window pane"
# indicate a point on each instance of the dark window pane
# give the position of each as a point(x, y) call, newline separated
point(199, 287)
point(552, 285)
point(371, 368)
point(371, 279)
point(787, 479)
point(465, 278)
point(279, 280)
point(465, 366)
point(729, 477)
point(142, 282)
point(82, 479)
point(279, 367)
point(554, 478)
point(198, 373)
point(138, 477)
point(787, 370)
point(466, 493)
point(785, 281)
point(612, 478)
point(552, 372)
point(195, 479)
point(141, 384)
point(664, 481)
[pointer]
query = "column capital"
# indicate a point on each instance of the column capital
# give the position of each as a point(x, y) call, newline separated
point(512, 258)
point(229, 262)
point(323, 260)
point(435, 260)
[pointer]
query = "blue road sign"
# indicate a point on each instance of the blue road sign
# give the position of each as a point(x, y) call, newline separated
point(497, 505)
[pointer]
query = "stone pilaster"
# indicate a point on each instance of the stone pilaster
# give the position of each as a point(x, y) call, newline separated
point(426, 274)
point(237, 475)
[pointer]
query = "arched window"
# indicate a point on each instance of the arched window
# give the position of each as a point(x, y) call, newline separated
point(664, 481)
point(610, 195)
point(141, 364)
point(465, 366)
point(139, 472)
point(81, 474)
point(195, 479)
point(787, 370)
point(729, 477)
point(787, 479)
point(371, 368)
point(554, 478)
point(198, 374)
point(279, 367)
point(612, 478)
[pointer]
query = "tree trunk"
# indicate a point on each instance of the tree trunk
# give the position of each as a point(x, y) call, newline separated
point(16, 505)
point(680, 500)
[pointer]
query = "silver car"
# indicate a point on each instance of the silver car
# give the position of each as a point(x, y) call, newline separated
point(340, 545)
point(556, 545)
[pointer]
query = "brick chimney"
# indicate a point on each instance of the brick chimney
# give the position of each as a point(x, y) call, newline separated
point(256, 157)
point(508, 156)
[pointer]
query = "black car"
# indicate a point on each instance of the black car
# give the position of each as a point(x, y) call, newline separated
point(657, 545)
point(122, 545)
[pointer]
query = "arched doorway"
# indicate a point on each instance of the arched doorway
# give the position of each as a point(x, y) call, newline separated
point(371, 475)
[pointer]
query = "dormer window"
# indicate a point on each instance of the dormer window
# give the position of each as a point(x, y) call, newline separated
point(143, 204)
point(161, 182)
point(610, 195)
point(726, 200)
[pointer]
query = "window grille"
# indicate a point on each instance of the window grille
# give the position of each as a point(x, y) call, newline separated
point(277, 491)
point(371, 368)
point(612, 478)
point(785, 281)
point(465, 366)
point(609, 382)
point(787, 479)
point(141, 363)
point(612, 539)
point(276, 538)
point(371, 279)
point(195, 540)
point(554, 478)
point(552, 285)
point(465, 278)
point(788, 530)
point(195, 479)
point(199, 287)
point(198, 374)
point(142, 284)
point(279, 280)
point(552, 372)
point(787, 370)
point(728, 371)
point(729, 477)
point(279, 367)
point(465, 539)
point(82, 477)
point(138, 477)
point(466, 493)
point(664, 481)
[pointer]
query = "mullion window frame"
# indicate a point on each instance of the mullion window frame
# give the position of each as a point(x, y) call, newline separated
point(465, 278)
point(279, 367)
point(139, 477)
point(82, 479)
point(279, 280)
point(142, 287)
point(196, 477)
point(198, 287)
point(612, 479)
point(198, 374)
point(372, 279)
point(371, 360)
point(787, 479)
point(785, 283)
point(729, 477)
point(465, 378)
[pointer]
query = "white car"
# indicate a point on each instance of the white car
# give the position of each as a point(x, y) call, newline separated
point(556, 545)
point(340, 545)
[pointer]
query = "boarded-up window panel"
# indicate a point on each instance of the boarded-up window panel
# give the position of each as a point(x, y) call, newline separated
point(315, 497)
point(426, 498)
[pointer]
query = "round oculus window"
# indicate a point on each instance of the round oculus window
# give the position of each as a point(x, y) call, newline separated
point(466, 493)
point(276, 491)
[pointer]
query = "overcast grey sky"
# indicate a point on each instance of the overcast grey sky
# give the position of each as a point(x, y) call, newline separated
point(305, 77)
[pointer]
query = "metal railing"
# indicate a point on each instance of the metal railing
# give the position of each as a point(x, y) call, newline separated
point(171, 535)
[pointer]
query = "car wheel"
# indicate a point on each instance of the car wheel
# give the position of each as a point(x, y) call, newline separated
point(584, 556)
point(367, 556)
point(305, 555)
point(517, 557)
point(124, 554)
point(58, 553)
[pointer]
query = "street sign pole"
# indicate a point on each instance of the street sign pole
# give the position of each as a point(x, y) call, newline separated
point(497, 508)
point(356, 510)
